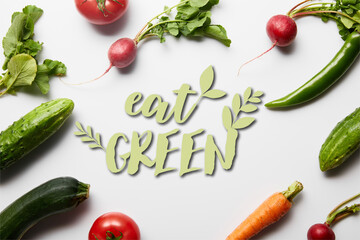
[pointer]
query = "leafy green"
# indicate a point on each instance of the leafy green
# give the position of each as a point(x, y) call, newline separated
point(22, 72)
point(346, 14)
point(192, 19)
point(20, 52)
point(47, 69)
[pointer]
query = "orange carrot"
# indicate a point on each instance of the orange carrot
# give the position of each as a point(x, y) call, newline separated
point(270, 211)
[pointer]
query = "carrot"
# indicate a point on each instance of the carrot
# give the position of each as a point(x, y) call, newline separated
point(270, 211)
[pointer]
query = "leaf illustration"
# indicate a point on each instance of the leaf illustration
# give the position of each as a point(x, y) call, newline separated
point(247, 94)
point(79, 126)
point(89, 136)
point(98, 139)
point(89, 131)
point(87, 139)
point(214, 94)
point(227, 118)
point(258, 94)
point(254, 100)
point(93, 146)
point(79, 133)
point(236, 104)
point(243, 122)
point(249, 108)
point(206, 79)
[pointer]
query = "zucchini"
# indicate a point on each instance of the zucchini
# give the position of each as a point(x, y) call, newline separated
point(343, 141)
point(55, 196)
point(31, 130)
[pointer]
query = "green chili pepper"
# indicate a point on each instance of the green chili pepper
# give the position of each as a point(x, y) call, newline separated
point(326, 77)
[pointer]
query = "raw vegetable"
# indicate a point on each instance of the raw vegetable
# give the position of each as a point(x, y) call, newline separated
point(20, 50)
point(193, 19)
point(269, 212)
point(114, 226)
point(281, 30)
point(55, 196)
point(347, 16)
point(328, 76)
point(342, 142)
point(323, 231)
point(102, 12)
point(31, 130)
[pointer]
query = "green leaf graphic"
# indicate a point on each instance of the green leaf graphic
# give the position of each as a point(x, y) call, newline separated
point(258, 94)
point(254, 100)
point(214, 94)
point(243, 122)
point(236, 104)
point(227, 118)
point(78, 125)
point(206, 79)
point(89, 137)
point(249, 108)
point(247, 94)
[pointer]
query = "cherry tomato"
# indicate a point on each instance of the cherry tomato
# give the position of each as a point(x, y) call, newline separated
point(102, 12)
point(114, 226)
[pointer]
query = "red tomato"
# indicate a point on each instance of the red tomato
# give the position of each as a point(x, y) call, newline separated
point(114, 226)
point(101, 12)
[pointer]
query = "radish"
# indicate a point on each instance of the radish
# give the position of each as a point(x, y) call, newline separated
point(282, 30)
point(123, 52)
point(323, 231)
point(320, 231)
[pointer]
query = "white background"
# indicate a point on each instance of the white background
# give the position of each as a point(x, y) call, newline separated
point(281, 147)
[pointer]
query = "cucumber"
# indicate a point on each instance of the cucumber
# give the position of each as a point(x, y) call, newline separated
point(55, 196)
point(33, 129)
point(343, 140)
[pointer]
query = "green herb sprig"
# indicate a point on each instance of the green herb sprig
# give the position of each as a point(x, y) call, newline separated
point(88, 136)
point(346, 13)
point(192, 19)
point(20, 50)
point(231, 117)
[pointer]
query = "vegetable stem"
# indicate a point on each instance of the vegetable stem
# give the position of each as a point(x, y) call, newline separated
point(337, 214)
point(291, 10)
point(140, 35)
point(299, 14)
point(293, 190)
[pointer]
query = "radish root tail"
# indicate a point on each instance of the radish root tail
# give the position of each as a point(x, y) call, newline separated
point(274, 44)
point(93, 80)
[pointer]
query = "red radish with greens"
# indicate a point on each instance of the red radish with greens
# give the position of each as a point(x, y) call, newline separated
point(197, 24)
point(282, 29)
point(323, 231)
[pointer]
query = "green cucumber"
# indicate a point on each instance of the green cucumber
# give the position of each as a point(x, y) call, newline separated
point(33, 129)
point(343, 141)
point(55, 196)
